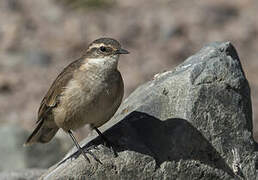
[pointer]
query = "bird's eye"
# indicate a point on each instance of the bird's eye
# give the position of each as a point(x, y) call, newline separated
point(103, 49)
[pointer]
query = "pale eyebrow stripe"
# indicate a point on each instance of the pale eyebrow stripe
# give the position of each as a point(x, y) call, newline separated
point(96, 45)
point(99, 45)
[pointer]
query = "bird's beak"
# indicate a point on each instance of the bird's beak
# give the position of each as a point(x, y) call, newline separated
point(122, 51)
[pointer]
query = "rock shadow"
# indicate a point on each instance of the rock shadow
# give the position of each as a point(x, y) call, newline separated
point(173, 139)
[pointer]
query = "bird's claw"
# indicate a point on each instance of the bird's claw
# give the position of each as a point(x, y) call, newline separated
point(95, 147)
point(87, 151)
point(111, 146)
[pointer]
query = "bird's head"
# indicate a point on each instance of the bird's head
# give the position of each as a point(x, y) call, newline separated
point(107, 48)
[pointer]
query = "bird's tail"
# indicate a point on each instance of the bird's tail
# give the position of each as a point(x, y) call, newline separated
point(41, 134)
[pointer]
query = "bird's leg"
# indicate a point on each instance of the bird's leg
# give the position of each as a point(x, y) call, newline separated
point(81, 150)
point(107, 142)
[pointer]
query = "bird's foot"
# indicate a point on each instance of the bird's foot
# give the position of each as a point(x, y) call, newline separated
point(93, 147)
point(106, 142)
point(87, 151)
point(110, 145)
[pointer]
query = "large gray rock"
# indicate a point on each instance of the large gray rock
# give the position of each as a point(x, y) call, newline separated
point(194, 122)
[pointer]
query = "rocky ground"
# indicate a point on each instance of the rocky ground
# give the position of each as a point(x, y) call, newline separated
point(38, 38)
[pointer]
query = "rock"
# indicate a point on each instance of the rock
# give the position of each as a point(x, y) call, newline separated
point(194, 122)
point(38, 57)
point(5, 85)
point(30, 174)
point(15, 156)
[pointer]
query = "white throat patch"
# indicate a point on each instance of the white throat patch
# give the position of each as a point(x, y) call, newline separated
point(105, 62)
point(97, 60)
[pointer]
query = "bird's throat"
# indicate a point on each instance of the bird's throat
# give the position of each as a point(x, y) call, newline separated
point(104, 63)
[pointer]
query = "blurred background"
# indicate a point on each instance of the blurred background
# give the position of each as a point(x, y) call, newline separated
point(39, 38)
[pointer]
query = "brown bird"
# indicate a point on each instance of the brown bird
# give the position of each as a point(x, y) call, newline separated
point(87, 91)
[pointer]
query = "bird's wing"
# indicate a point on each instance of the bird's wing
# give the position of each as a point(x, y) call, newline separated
point(51, 98)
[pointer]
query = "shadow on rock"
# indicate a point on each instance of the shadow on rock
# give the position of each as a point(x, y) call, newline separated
point(173, 139)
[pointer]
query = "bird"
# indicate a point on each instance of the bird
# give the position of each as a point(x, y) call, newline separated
point(88, 91)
